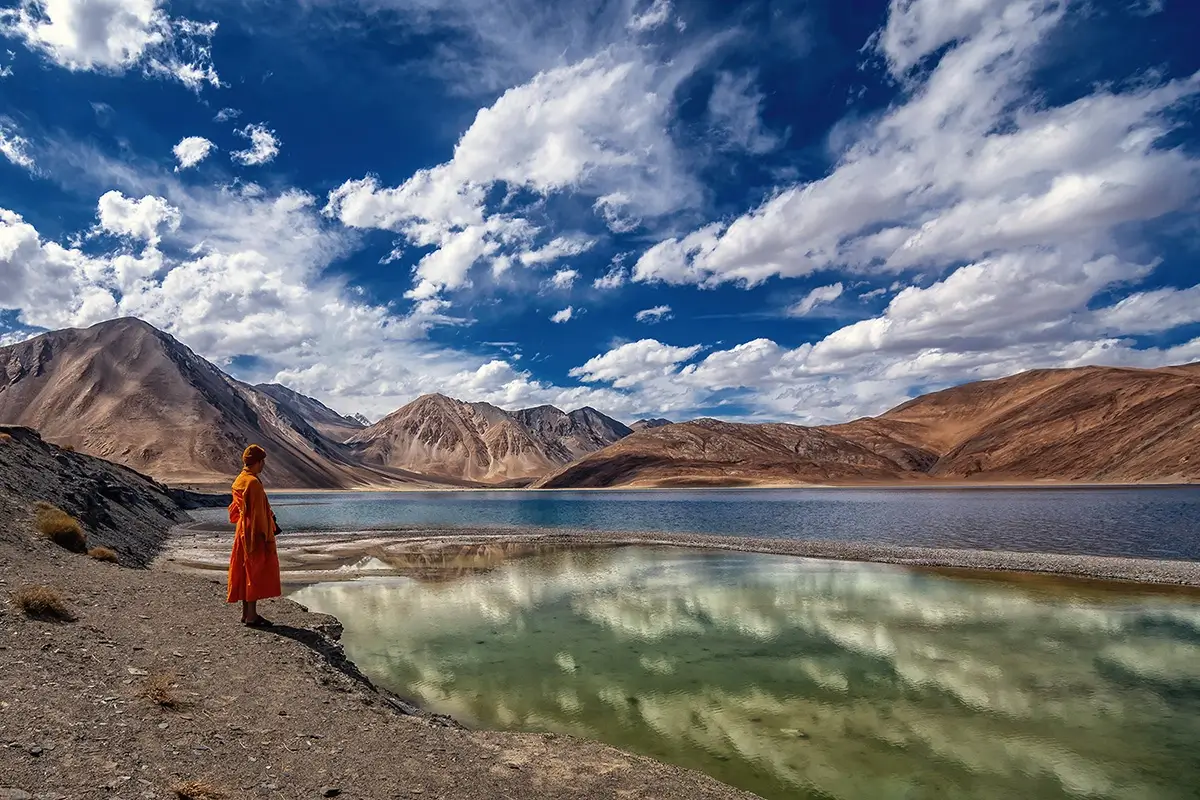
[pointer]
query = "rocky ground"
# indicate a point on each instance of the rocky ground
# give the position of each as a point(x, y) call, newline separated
point(152, 684)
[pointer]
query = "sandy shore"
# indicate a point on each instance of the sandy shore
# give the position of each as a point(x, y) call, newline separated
point(420, 552)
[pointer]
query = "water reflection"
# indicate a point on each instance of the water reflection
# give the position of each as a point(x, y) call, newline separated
point(798, 678)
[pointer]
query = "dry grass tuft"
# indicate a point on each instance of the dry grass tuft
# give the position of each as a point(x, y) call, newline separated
point(60, 527)
point(104, 554)
point(160, 688)
point(5, 436)
point(197, 790)
point(42, 602)
point(70, 448)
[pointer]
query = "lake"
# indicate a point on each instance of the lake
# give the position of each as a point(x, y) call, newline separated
point(1142, 522)
point(799, 678)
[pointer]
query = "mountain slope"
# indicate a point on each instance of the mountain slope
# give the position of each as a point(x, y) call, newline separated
point(711, 452)
point(1102, 424)
point(440, 436)
point(568, 436)
point(324, 419)
point(1092, 424)
point(125, 391)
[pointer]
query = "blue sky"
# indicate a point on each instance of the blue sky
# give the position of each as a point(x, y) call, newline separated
point(798, 211)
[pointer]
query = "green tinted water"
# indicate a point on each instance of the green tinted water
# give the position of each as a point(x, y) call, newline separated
point(795, 678)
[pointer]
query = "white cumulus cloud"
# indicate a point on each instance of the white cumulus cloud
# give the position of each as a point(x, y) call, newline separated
point(139, 219)
point(970, 164)
point(264, 146)
point(564, 315)
point(616, 277)
point(635, 362)
point(564, 278)
point(115, 36)
point(598, 128)
point(822, 295)
point(191, 150)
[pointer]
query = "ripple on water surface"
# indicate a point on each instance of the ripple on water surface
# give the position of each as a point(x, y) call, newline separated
point(796, 678)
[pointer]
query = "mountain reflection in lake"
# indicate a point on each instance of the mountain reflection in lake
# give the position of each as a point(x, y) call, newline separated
point(800, 678)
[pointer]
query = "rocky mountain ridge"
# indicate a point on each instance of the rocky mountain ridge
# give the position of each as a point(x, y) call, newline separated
point(124, 391)
point(1084, 425)
point(127, 392)
point(442, 436)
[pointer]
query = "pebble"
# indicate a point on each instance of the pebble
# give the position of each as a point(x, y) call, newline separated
point(35, 751)
point(330, 791)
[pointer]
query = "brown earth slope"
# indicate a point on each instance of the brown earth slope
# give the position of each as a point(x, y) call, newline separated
point(127, 392)
point(329, 423)
point(1091, 424)
point(711, 452)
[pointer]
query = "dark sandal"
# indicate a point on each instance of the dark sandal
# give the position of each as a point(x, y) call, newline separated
point(258, 622)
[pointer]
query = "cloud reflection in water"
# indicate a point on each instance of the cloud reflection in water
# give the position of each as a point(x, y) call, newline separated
point(795, 678)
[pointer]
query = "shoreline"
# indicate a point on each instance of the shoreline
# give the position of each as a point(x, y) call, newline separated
point(220, 489)
point(309, 557)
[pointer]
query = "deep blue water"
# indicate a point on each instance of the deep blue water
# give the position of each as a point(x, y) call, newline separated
point(1145, 522)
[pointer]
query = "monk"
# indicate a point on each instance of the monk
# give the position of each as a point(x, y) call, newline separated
point(253, 565)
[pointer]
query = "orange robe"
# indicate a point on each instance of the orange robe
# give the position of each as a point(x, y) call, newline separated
point(253, 565)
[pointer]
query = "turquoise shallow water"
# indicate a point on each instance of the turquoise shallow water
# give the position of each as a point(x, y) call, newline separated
point(797, 678)
point(1146, 522)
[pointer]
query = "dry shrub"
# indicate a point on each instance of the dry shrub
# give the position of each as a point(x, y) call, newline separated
point(5, 437)
point(197, 790)
point(42, 602)
point(60, 527)
point(161, 691)
point(70, 448)
point(104, 554)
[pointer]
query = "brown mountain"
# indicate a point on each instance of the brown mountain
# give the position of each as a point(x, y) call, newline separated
point(440, 436)
point(643, 424)
point(711, 452)
point(328, 422)
point(571, 435)
point(127, 392)
point(1092, 424)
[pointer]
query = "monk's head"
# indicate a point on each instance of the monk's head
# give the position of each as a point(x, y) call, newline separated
point(254, 458)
